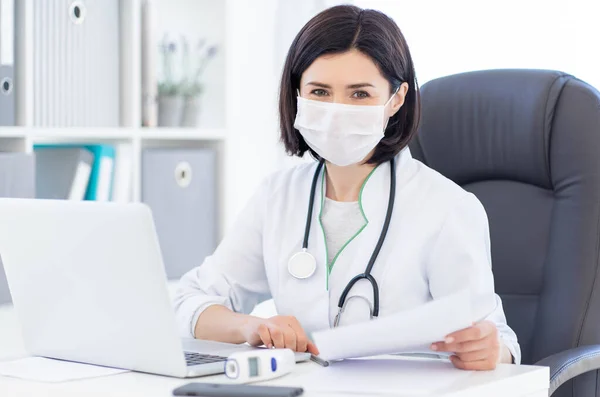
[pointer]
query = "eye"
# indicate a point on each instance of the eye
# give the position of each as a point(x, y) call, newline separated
point(361, 94)
point(319, 92)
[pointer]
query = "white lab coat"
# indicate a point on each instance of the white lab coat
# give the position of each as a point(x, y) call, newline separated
point(437, 243)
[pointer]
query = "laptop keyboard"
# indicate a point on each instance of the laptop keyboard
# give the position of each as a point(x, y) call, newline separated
point(198, 358)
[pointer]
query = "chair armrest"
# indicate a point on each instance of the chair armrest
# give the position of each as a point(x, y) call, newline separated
point(570, 363)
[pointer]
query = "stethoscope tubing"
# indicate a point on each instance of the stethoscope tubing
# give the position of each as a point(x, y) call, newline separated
point(367, 274)
point(311, 204)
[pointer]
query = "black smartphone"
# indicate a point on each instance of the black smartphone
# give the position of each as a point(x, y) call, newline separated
point(224, 390)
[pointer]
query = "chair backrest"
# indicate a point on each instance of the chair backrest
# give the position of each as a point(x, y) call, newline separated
point(527, 144)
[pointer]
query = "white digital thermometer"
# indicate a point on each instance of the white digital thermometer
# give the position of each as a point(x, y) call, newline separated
point(259, 365)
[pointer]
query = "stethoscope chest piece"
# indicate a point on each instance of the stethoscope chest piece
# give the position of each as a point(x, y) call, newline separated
point(302, 265)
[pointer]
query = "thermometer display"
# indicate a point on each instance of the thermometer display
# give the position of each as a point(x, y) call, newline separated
point(253, 367)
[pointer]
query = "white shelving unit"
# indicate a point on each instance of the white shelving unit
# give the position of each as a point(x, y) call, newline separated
point(193, 18)
point(23, 139)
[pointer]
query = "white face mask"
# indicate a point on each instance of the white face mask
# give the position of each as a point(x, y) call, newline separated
point(341, 134)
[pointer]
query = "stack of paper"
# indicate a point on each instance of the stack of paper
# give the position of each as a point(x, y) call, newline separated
point(383, 376)
point(410, 331)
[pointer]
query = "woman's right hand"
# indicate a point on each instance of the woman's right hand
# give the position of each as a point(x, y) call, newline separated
point(278, 332)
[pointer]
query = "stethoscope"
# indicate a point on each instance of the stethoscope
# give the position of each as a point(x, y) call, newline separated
point(303, 264)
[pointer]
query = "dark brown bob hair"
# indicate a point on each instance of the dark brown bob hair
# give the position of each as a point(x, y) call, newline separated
point(339, 29)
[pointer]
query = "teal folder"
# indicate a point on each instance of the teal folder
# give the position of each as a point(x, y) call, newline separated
point(101, 178)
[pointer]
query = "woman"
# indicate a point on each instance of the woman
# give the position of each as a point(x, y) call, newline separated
point(349, 96)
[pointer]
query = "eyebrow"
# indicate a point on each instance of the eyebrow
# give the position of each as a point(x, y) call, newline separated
point(317, 84)
point(360, 85)
point(351, 86)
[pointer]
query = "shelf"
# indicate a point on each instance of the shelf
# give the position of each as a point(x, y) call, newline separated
point(181, 134)
point(86, 134)
point(65, 135)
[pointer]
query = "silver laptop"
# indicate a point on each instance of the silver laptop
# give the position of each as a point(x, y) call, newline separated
point(88, 285)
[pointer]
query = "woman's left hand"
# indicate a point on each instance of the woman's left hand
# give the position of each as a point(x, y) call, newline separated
point(475, 348)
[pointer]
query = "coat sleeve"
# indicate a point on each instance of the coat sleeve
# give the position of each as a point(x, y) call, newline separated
point(233, 276)
point(461, 258)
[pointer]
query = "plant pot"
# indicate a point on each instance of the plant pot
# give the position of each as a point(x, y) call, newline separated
point(191, 111)
point(170, 110)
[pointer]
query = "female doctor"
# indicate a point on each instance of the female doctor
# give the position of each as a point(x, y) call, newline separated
point(365, 227)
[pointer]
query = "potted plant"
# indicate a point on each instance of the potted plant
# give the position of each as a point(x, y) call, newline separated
point(192, 86)
point(170, 99)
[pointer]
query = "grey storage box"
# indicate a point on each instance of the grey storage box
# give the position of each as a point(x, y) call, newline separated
point(179, 185)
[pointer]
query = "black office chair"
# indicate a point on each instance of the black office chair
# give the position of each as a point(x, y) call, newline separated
point(527, 144)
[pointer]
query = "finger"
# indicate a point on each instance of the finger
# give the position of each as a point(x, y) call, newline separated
point(277, 336)
point(481, 365)
point(289, 336)
point(462, 347)
point(265, 335)
point(301, 338)
point(312, 349)
point(476, 332)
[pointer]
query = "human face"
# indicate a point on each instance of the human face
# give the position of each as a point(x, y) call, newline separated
point(350, 78)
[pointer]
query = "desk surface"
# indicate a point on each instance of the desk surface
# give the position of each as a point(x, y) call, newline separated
point(506, 380)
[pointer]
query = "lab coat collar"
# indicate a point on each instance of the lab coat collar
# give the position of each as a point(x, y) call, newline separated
point(376, 188)
point(355, 256)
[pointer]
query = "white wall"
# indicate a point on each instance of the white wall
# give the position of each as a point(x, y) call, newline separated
point(251, 100)
point(447, 37)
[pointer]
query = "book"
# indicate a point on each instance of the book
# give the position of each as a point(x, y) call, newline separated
point(123, 174)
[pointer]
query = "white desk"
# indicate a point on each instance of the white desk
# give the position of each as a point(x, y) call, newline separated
point(506, 380)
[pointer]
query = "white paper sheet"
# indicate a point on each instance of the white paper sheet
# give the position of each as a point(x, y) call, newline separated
point(383, 376)
point(405, 332)
point(48, 370)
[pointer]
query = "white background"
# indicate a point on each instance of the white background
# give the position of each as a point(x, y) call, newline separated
point(452, 36)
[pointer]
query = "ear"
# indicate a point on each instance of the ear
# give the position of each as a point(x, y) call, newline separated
point(398, 99)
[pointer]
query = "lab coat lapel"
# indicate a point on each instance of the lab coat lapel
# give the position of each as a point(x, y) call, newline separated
point(354, 258)
point(306, 299)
